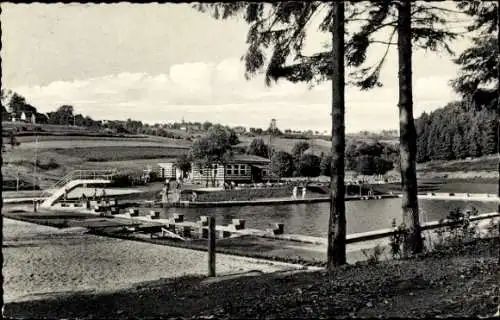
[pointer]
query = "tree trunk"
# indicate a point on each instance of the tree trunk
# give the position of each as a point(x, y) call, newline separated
point(407, 132)
point(337, 223)
point(498, 110)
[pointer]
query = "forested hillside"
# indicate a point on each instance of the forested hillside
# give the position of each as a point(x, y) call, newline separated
point(456, 132)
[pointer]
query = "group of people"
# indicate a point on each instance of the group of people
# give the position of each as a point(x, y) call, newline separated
point(295, 191)
point(166, 189)
point(229, 186)
point(84, 197)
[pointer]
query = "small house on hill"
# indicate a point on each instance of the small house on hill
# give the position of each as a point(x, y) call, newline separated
point(23, 116)
point(241, 168)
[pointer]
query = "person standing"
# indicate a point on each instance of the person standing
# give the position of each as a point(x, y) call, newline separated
point(167, 190)
point(303, 192)
point(178, 190)
point(164, 195)
point(294, 192)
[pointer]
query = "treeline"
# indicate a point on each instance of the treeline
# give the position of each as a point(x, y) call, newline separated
point(456, 132)
point(373, 158)
point(14, 105)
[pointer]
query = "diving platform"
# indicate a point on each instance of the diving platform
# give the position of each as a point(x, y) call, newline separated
point(76, 179)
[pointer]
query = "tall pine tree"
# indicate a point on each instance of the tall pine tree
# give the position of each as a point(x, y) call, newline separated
point(459, 146)
point(474, 139)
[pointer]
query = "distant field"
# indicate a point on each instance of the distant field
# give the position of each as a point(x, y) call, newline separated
point(319, 145)
point(46, 132)
point(70, 144)
point(117, 153)
point(28, 139)
point(53, 128)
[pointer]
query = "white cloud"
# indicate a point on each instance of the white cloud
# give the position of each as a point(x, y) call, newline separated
point(219, 92)
point(193, 77)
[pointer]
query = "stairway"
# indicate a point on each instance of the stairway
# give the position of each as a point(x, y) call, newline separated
point(74, 179)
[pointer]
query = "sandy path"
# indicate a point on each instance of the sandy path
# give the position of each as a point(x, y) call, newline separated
point(39, 260)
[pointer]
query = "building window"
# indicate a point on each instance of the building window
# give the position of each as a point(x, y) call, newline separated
point(242, 170)
point(229, 170)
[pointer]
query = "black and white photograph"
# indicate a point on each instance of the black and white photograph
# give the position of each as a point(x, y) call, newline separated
point(250, 160)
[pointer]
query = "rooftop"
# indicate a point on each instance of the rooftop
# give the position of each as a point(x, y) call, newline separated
point(237, 158)
point(248, 158)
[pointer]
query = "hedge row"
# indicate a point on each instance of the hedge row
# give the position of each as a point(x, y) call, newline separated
point(241, 194)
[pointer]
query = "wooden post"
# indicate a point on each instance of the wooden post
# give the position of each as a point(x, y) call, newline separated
point(211, 246)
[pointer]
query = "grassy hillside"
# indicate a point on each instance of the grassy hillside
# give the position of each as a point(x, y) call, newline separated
point(318, 145)
point(116, 153)
point(486, 163)
point(48, 128)
point(58, 155)
point(91, 143)
point(479, 169)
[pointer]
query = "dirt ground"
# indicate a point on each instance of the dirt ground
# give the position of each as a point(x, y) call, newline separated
point(458, 283)
point(41, 261)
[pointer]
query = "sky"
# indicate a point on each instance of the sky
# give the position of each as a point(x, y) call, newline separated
point(167, 62)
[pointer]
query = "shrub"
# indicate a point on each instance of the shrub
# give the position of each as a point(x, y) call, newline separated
point(122, 180)
point(239, 195)
point(397, 240)
point(457, 232)
point(309, 165)
point(374, 256)
point(282, 164)
point(52, 164)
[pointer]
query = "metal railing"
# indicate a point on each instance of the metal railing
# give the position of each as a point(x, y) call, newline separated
point(102, 174)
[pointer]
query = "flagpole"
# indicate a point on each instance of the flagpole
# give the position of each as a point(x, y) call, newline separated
point(34, 173)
